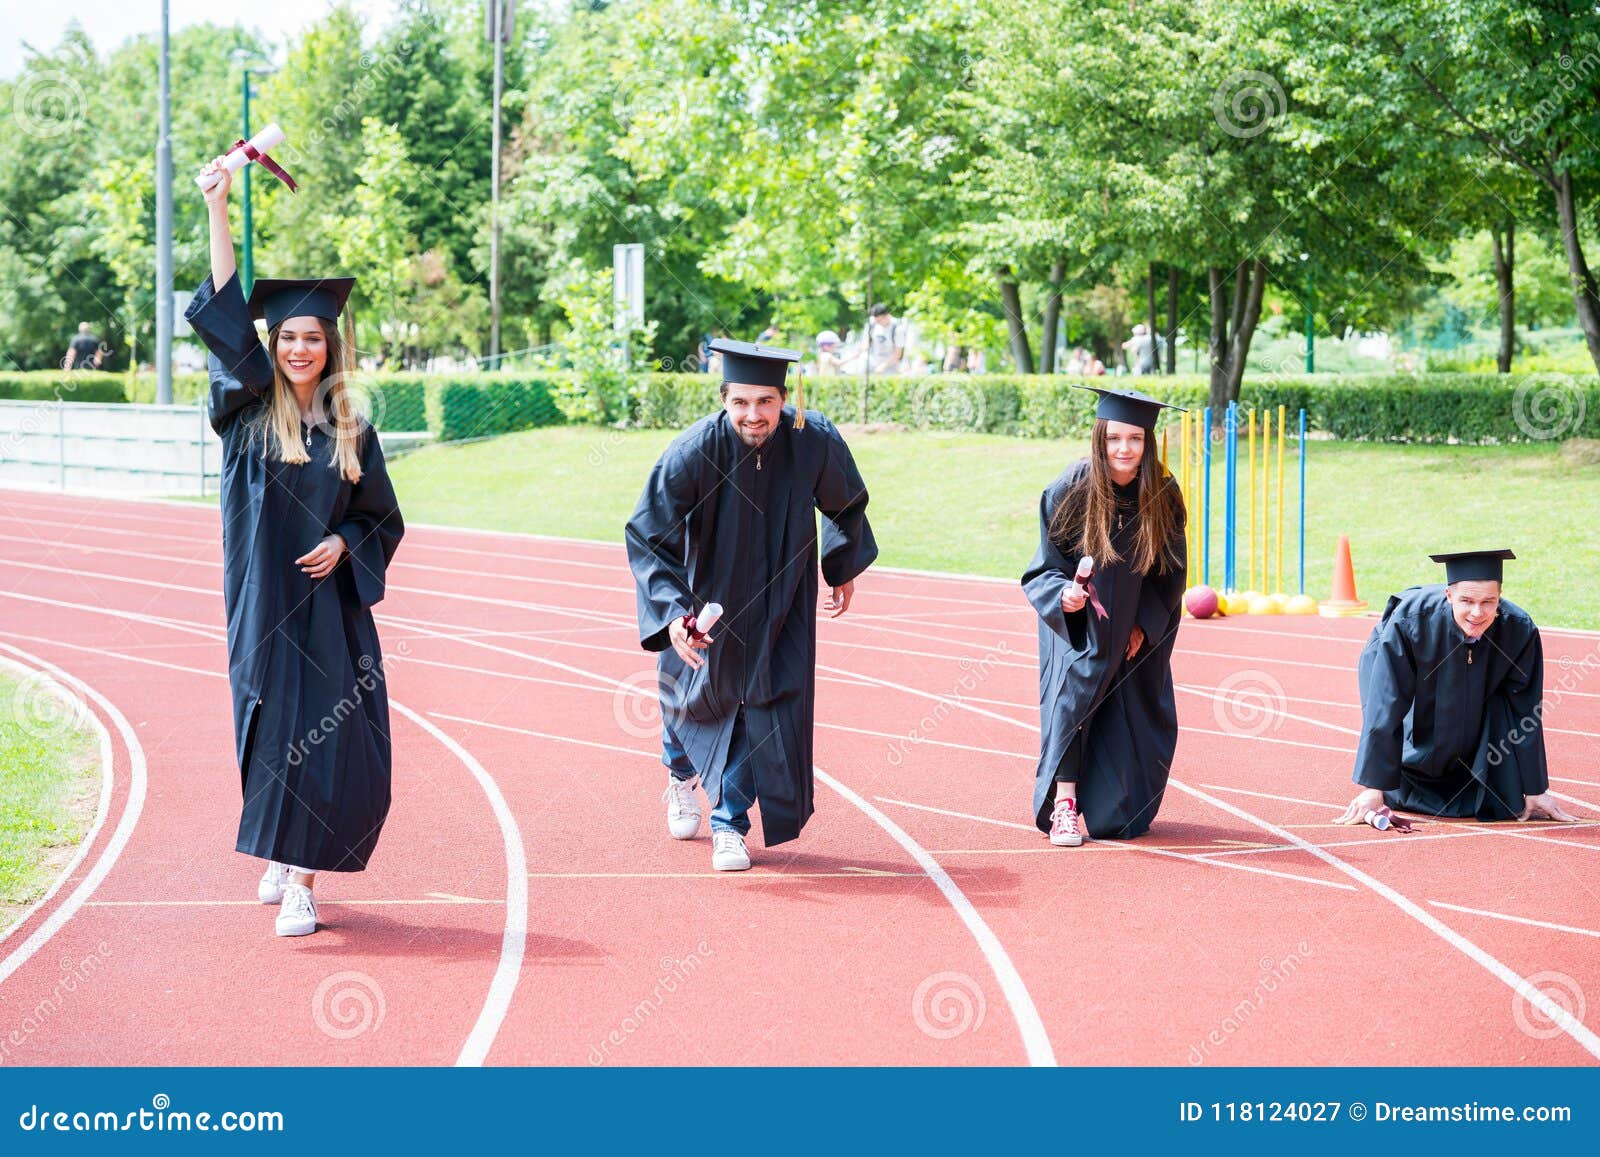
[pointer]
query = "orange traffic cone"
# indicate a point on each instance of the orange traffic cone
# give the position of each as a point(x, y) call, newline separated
point(1344, 600)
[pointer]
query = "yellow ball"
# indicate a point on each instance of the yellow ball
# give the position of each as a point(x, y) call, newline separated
point(1278, 601)
point(1300, 605)
point(1251, 596)
point(1236, 605)
point(1262, 605)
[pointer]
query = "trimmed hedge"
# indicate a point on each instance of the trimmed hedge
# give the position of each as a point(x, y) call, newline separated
point(1359, 407)
point(497, 405)
point(1474, 408)
point(48, 385)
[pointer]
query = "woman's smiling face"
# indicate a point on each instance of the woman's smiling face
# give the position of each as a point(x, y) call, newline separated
point(1124, 450)
point(302, 350)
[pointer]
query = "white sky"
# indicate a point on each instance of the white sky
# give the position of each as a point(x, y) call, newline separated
point(110, 22)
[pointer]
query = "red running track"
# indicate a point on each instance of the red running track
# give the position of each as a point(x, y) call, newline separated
point(526, 907)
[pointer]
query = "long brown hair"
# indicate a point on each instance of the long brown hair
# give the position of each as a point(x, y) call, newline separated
point(1081, 523)
point(277, 429)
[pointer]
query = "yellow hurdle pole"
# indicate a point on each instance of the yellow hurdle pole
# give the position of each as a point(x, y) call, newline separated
point(1183, 485)
point(1250, 477)
point(1266, 502)
point(1283, 417)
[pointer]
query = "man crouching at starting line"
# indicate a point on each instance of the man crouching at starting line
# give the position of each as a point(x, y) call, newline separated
point(1452, 687)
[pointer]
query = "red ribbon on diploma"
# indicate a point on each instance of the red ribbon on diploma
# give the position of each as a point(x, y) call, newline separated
point(266, 163)
point(1094, 599)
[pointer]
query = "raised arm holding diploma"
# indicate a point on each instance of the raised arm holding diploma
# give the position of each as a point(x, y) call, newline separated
point(243, 152)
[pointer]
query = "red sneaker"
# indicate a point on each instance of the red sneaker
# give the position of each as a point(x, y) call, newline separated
point(1065, 831)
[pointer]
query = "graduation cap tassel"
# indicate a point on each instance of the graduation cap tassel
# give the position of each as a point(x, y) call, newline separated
point(799, 397)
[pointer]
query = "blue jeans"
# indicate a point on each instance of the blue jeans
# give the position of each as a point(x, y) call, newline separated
point(732, 813)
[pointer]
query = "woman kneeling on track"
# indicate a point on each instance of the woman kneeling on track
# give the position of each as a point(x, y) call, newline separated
point(310, 524)
point(1108, 720)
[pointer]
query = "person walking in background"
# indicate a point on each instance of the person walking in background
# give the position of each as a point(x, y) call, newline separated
point(83, 352)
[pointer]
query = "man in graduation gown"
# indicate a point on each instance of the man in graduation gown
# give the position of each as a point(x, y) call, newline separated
point(310, 709)
point(729, 515)
point(1108, 716)
point(1452, 680)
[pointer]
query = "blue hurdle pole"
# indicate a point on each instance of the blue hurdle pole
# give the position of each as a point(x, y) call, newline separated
point(1205, 522)
point(1229, 497)
point(1302, 501)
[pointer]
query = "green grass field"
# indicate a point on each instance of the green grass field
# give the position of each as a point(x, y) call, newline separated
point(969, 503)
point(49, 782)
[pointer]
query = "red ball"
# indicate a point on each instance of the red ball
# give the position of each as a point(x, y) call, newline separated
point(1201, 602)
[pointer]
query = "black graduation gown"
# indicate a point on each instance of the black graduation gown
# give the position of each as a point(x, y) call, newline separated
point(1443, 736)
point(721, 522)
point(1108, 724)
point(310, 711)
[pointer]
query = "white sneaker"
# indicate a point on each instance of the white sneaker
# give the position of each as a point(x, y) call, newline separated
point(683, 810)
point(270, 890)
point(298, 916)
point(728, 852)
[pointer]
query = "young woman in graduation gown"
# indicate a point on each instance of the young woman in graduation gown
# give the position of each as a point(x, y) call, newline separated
point(1108, 719)
point(310, 524)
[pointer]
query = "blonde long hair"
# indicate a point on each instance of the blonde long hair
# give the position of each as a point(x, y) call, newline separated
point(278, 426)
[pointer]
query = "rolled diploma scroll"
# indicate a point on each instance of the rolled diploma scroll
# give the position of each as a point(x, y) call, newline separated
point(1080, 581)
point(1378, 818)
point(701, 624)
point(268, 138)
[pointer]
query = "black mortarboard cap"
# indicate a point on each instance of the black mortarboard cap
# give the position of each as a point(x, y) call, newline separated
point(277, 298)
point(1129, 406)
point(1473, 565)
point(747, 364)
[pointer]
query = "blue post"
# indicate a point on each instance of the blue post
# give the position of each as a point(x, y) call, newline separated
point(1205, 522)
point(1302, 501)
point(1230, 497)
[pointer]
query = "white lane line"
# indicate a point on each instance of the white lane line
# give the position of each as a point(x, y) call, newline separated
point(749, 874)
point(1583, 803)
point(216, 593)
point(1269, 739)
point(514, 937)
point(1035, 1040)
point(101, 651)
point(1579, 782)
point(1034, 1037)
point(1491, 830)
point(50, 504)
point(1571, 1025)
point(131, 809)
point(860, 621)
point(1516, 919)
point(922, 807)
point(1265, 795)
point(107, 781)
point(544, 735)
point(1129, 846)
point(322, 902)
point(1244, 701)
point(914, 741)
